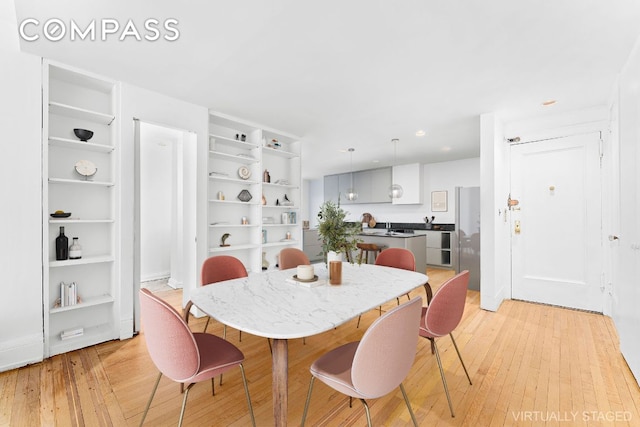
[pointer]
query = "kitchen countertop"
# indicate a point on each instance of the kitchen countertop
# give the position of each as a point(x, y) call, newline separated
point(384, 233)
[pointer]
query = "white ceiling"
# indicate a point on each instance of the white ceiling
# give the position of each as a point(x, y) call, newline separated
point(358, 73)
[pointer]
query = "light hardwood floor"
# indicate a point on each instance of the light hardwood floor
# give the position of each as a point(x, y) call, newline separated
point(530, 364)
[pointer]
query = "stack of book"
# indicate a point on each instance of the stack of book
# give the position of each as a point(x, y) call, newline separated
point(68, 294)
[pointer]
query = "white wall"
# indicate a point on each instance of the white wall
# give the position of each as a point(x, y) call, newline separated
point(445, 176)
point(21, 321)
point(156, 181)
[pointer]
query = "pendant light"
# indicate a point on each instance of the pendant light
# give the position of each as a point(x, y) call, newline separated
point(395, 190)
point(352, 194)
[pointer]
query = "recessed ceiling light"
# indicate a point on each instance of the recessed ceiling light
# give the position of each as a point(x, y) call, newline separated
point(420, 133)
point(375, 161)
point(445, 148)
point(549, 102)
point(343, 150)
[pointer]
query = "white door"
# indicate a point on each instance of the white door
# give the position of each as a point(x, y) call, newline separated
point(556, 227)
point(626, 248)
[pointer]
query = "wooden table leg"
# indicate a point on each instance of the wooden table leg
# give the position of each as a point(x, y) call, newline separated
point(280, 380)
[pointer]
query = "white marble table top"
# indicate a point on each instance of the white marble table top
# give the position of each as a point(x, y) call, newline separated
point(266, 304)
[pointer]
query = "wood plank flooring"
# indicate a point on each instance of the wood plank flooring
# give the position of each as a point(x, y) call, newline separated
point(531, 365)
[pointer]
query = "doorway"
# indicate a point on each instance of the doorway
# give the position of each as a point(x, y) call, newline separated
point(165, 207)
point(556, 224)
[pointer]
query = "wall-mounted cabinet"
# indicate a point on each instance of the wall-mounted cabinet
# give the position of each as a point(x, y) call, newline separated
point(371, 185)
point(254, 191)
point(439, 244)
point(73, 99)
point(410, 177)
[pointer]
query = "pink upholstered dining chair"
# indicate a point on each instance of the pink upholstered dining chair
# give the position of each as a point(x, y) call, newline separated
point(396, 258)
point(291, 258)
point(375, 365)
point(442, 316)
point(217, 269)
point(182, 355)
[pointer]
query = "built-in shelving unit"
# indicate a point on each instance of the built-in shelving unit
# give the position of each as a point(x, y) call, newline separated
point(76, 99)
point(268, 222)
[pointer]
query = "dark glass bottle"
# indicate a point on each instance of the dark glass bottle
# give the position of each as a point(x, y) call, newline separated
point(62, 246)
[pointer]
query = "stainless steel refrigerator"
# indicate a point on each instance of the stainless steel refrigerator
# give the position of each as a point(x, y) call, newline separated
point(467, 250)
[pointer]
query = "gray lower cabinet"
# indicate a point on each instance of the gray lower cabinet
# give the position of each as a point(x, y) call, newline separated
point(311, 245)
point(439, 244)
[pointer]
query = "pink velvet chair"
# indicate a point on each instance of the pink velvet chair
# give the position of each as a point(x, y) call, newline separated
point(217, 269)
point(377, 364)
point(291, 258)
point(182, 355)
point(396, 258)
point(442, 316)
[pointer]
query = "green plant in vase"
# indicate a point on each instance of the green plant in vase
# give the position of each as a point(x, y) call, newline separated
point(337, 235)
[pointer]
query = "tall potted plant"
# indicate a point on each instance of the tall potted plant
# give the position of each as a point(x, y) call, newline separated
point(337, 235)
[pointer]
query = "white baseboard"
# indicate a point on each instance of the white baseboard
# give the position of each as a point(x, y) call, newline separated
point(126, 328)
point(21, 352)
point(175, 284)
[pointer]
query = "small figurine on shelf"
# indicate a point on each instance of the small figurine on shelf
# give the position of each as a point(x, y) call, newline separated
point(264, 200)
point(265, 176)
point(277, 202)
point(223, 239)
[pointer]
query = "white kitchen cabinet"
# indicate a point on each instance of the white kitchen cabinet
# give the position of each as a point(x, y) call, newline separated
point(410, 177)
point(258, 216)
point(75, 99)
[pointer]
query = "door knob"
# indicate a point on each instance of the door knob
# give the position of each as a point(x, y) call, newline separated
point(612, 237)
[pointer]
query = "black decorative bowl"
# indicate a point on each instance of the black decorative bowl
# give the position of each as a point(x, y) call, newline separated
point(83, 134)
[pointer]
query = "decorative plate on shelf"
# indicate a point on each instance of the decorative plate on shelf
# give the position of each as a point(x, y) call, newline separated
point(86, 168)
point(244, 196)
point(244, 172)
point(59, 214)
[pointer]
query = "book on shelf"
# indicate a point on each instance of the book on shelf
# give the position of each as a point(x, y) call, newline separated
point(68, 294)
point(71, 333)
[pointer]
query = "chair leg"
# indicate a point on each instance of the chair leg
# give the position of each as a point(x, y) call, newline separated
point(460, 357)
point(359, 317)
point(206, 324)
point(184, 403)
point(306, 405)
point(240, 336)
point(444, 380)
point(246, 392)
point(406, 400)
point(270, 348)
point(213, 386)
point(155, 387)
point(429, 292)
point(366, 410)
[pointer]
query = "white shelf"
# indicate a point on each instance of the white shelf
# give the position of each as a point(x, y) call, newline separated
point(91, 336)
point(233, 225)
point(235, 180)
point(279, 152)
point(279, 225)
point(233, 142)
point(268, 184)
point(283, 243)
point(80, 145)
point(79, 221)
point(237, 202)
point(89, 302)
point(233, 248)
point(82, 261)
point(80, 113)
point(234, 157)
point(80, 182)
point(280, 207)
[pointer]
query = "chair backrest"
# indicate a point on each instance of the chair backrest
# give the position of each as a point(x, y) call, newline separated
point(170, 343)
point(398, 258)
point(386, 352)
point(447, 305)
point(222, 267)
point(291, 258)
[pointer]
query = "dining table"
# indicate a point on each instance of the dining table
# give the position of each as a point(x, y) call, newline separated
point(273, 305)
